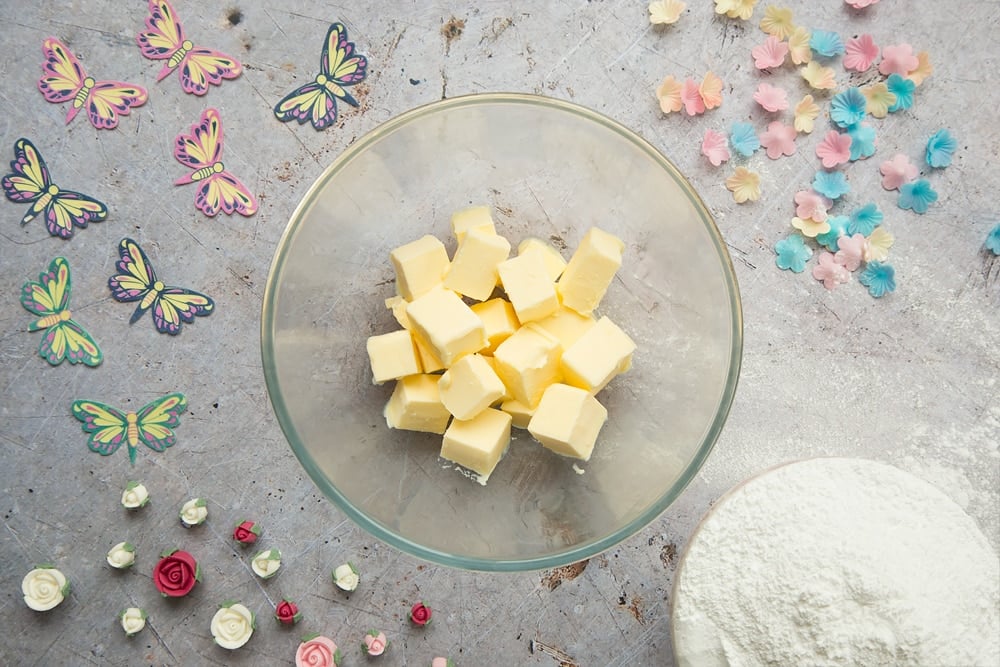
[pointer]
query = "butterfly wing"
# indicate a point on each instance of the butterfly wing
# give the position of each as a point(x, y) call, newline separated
point(176, 305)
point(48, 296)
point(135, 280)
point(157, 420)
point(30, 177)
point(68, 208)
point(68, 340)
point(108, 100)
point(163, 35)
point(203, 146)
point(224, 192)
point(203, 67)
point(108, 427)
point(341, 63)
point(62, 74)
point(309, 103)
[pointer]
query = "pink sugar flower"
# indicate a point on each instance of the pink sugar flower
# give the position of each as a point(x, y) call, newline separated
point(860, 53)
point(897, 171)
point(851, 251)
point(769, 54)
point(898, 59)
point(715, 146)
point(778, 139)
point(829, 271)
point(691, 97)
point(810, 205)
point(860, 4)
point(771, 98)
point(834, 149)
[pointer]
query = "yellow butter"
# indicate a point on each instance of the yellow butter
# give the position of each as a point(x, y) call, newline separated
point(567, 421)
point(499, 320)
point(470, 386)
point(478, 443)
point(554, 262)
point(428, 360)
point(473, 217)
point(392, 356)
point(493, 366)
point(415, 405)
point(528, 286)
point(420, 266)
point(447, 324)
point(473, 270)
point(566, 325)
point(520, 413)
point(528, 362)
point(590, 271)
point(597, 356)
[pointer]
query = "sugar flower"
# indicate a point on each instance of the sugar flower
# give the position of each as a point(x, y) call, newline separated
point(287, 612)
point(819, 77)
point(864, 220)
point(420, 614)
point(777, 21)
point(880, 99)
point(877, 245)
point(769, 54)
point(850, 251)
point(860, 53)
point(940, 149)
point(838, 228)
point(810, 227)
point(669, 95)
point(860, 4)
point(771, 98)
point(831, 184)
point(735, 9)
point(133, 620)
point(862, 141)
point(374, 643)
point(233, 625)
point(44, 588)
point(806, 113)
point(834, 149)
point(710, 90)
point(826, 43)
point(665, 12)
point(317, 651)
point(135, 495)
point(798, 46)
point(691, 97)
point(744, 184)
point(121, 556)
point(346, 577)
point(193, 512)
point(266, 564)
point(829, 271)
point(743, 139)
point(898, 59)
point(792, 253)
point(778, 139)
point(879, 278)
point(848, 107)
point(897, 171)
point(917, 195)
point(923, 69)
point(993, 240)
point(903, 90)
point(715, 147)
point(811, 205)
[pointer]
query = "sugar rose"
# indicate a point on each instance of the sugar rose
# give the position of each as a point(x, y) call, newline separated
point(317, 651)
point(44, 588)
point(232, 625)
point(176, 573)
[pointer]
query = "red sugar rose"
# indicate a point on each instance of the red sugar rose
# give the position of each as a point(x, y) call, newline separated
point(176, 573)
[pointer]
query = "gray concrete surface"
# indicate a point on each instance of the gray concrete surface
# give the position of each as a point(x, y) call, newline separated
point(910, 379)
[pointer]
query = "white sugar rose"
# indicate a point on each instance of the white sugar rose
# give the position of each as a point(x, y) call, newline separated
point(133, 620)
point(232, 625)
point(346, 577)
point(44, 588)
point(135, 496)
point(194, 512)
point(121, 556)
point(266, 563)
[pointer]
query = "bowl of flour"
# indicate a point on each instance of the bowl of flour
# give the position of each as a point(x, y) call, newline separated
point(837, 561)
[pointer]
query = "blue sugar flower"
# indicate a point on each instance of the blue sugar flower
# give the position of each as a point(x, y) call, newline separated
point(838, 227)
point(862, 141)
point(879, 278)
point(993, 241)
point(848, 107)
point(744, 139)
point(826, 43)
point(902, 88)
point(830, 184)
point(917, 195)
point(793, 253)
point(940, 147)
point(864, 220)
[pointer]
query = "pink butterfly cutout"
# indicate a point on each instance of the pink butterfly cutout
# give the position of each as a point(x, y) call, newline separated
point(218, 189)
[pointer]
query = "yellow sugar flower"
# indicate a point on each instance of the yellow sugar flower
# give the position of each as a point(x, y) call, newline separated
point(711, 90)
point(924, 68)
point(669, 95)
point(798, 46)
point(819, 77)
point(876, 248)
point(809, 227)
point(735, 9)
point(744, 184)
point(777, 21)
point(806, 113)
point(665, 12)
point(879, 99)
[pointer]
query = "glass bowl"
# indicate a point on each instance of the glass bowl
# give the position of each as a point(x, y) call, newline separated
point(549, 169)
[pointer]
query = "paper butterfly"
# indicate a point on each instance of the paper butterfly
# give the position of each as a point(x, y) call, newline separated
point(316, 101)
point(198, 67)
point(138, 282)
point(201, 150)
point(64, 338)
point(152, 425)
point(64, 79)
point(30, 183)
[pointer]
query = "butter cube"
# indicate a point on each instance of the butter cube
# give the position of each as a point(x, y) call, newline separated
point(600, 354)
point(478, 443)
point(554, 262)
point(428, 360)
point(499, 320)
point(528, 286)
point(470, 386)
point(415, 405)
point(590, 271)
point(392, 356)
point(473, 271)
point(528, 362)
point(493, 366)
point(567, 421)
point(474, 217)
point(447, 324)
point(520, 413)
point(566, 325)
point(420, 266)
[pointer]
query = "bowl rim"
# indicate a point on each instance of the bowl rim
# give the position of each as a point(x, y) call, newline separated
point(377, 529)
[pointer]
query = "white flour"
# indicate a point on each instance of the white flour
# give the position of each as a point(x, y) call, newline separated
point(837, 562)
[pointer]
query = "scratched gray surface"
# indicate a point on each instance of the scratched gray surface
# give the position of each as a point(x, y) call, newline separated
point(910, 379)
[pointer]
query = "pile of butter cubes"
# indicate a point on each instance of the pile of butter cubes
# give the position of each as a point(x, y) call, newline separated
point(489, 341)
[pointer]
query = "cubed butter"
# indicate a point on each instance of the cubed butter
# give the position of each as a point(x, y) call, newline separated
point(473, 270)
point(470, 386)
point(566, 325)
point(499, 320)
point(420, 266)
point(415, 405)
point(478, 443)
point(520, 413)
point(567, 421)
point(528, 286)
point(599, 355)
point(554, 262)
point(473, 217)
point(392, 356)
point(428, 360)
point(528, 362)
point(447, 324)
point(506, 393)
point(590, 271)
